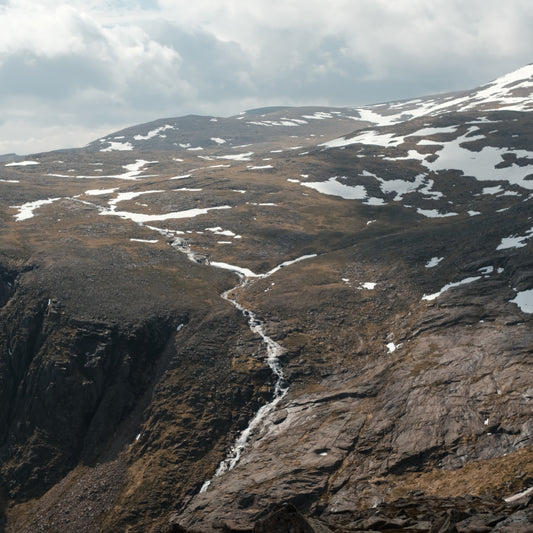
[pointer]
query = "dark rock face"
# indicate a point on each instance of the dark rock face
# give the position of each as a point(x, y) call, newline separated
point(435, 515)
point(83, 399)
point(345, 314)
point(417, 513)
point(66, 387)
point(286, 519)
point(7, 282)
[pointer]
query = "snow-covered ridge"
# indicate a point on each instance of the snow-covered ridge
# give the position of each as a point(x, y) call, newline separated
point(511, 92)
point(437, 150)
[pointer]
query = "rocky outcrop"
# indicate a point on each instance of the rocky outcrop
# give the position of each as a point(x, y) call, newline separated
point(67, 384)
point(287, 519)
point(416, 513)
point(7, 284)
point(66, 387)
point(439, 515)
point(361, 418)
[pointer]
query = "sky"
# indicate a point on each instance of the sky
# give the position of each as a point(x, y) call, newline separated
point(72, 72)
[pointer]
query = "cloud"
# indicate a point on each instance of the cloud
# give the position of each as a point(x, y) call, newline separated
point(86, 66)
point(24, 135)
point(63, 51)
point(73, 70)
point(377, 33)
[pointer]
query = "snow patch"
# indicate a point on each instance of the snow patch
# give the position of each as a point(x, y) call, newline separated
point(219, 231)
point(519, 495)
point(391, 347)
point(237, 157)
point(154, 133)
point(141, 218)
point(433, 262)
point(240, 270)
point(98, 192)
point(332, 187)
point(515, 241)
point(370, 137)
point(133, 171)
point(117, 146)
point(288, 263)
point(435, 213)
point(282, 122)
point(319, 115)
point(22, 164)
point(492, 190)
point(524, 300)
point(482, 165)
point(403, 187)
point(424, 132)
point(375, 201)
point(26, 210)
point(261, 167)
point(430, 297)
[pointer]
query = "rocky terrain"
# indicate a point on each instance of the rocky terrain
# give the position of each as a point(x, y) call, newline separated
point(295, 319)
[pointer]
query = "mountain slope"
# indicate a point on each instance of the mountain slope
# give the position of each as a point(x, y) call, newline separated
point(373, 341)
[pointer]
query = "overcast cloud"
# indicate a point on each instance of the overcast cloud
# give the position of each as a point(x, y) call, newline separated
point(72, 72)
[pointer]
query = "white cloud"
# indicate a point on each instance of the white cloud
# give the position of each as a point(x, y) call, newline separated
point(61, 36)
point(110, 63)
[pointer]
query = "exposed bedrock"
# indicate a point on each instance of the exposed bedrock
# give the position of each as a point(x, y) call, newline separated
point(363, 424)
point(66, 386)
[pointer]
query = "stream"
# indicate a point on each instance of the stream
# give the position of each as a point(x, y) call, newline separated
point(274, 350)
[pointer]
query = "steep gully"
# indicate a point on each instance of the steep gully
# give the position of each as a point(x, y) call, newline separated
point(274, 350)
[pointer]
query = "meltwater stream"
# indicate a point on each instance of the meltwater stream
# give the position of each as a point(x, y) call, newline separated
point(274, 350)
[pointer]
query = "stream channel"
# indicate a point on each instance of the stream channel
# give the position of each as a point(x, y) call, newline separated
point(274, 350)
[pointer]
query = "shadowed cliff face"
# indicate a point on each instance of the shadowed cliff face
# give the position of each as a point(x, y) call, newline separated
point(385, 252)
point(66, 386)
point(91, 405)
point(7, 280)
